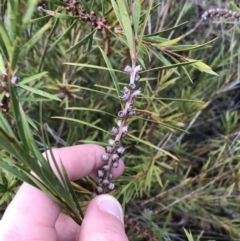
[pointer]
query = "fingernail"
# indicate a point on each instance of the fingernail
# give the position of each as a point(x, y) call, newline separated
point(109, 204)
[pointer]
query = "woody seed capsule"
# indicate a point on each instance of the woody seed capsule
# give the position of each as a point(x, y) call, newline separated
point(115, 157)
point(126, 90)
point(99, 27)
point(119, 122)
point(105, 168)
point(131, 113)
point(7, 95)
point(130, 106)
point(104, 20)
point(121, 114)
point(99, 180)
point(105, 157)
point(114, 131)
point(116, 142)
point(137, 77)
point(136, 93)
point(120, 150)
point(128, 69)
point(125, 129)
point(99, 190)
point(111, 142)
point(100, 173)
point(115, 164)
point(111, 186)
point(105, 182)
point(108, 149)
point(138, 68)
point(125, 96)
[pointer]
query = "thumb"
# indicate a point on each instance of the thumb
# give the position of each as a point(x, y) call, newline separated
point(103, 220)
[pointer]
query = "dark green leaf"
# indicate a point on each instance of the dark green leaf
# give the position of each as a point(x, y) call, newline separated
point(112, 73)
point(39, 92)
point(81, 42)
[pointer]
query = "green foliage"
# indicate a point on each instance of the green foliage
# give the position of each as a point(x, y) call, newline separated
point(182, 169)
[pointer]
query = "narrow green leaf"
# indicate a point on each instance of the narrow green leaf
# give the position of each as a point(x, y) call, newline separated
point(104, 7)
point(170, 42)
point(4, 49)
point(50, 156)
point(2, 66)
point(80, 122)
point(164, 60)
point(95, 67)
point(9, 144)
point(6, 127)
point(33, 99)
point(34, 39)
point(37, 20)
point(171, 66)
point(14, 20)
point(189, 235)
point(66, 33)
point(31, 8)
point(154, 39)
point(91, 110)
point(112, 73)
point(126, 25)
point(136, 15)
point(17, 171)
point(6, 40)
point(188, 75)
point(204, 68)
point(30, 121)
point(53, 28)
point(98, 91)
point(165, 30)
point(119, 17)
point(32, 78)
point(72, 193)
point(15, 54)
point(81, 42)
point(39, 92)
point(117, 12)
point(17, 116)
point(146, 15)
point(187, 47)
point(58, 3)
point(85, 5)
point(56, 14)
point(63, 16)
point(147, 143)
point(119, 37)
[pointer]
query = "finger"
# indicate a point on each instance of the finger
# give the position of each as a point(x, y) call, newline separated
point(81, 160)
point(66, 228)
point(32, 210)
point(103, 220)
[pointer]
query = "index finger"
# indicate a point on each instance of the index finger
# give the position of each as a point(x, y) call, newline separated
point(81, 160)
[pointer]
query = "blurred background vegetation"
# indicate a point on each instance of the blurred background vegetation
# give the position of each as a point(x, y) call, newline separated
point(189, 113)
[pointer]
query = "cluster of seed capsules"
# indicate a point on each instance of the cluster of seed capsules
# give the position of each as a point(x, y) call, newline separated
point(4, 102)
point(77, 10)
point(114, 150)
point(218, 12)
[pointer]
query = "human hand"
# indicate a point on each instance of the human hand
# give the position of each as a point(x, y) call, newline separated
point(33, 216)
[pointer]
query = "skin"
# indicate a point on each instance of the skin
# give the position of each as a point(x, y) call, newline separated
point(33, 216)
